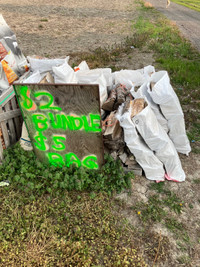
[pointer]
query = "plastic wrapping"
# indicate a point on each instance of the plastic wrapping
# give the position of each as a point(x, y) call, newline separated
point(129, 78)
point(82, 66)
point(64, 73)
point(45, 65)
point(94, 77)
point(9, 42)
point(3, 80)
point(35, 77)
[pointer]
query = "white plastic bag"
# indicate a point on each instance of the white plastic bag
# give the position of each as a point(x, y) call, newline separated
point(129, 78)
point(141, 93)
point(151, 165)
point(3, 79)
point(94, 77)
point(148, 71)
point(45, 65)
point(9, 42)
point(159, 142)
point(94, 74)
point(164, 95)
point(101, 81)
point(82, 66)
point(64, 73)
point(10, 59)
point(33, 78)
point(107, 73)
point(25, 140)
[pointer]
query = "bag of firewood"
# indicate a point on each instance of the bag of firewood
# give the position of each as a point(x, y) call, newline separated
point(94, 77)
point(156, 138)
point(64, 73)
point(45, 64)
point(143, 92)
point(152, 166)
point(131, 78)
point(162, 93)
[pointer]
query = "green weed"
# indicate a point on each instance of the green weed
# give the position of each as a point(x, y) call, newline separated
point(185, 259)
point(44, 20)
point(63, 231)
point(176, 55)
point(28, 174)
point(196, 181)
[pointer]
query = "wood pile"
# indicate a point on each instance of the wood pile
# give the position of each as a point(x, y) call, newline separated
point(113, 135)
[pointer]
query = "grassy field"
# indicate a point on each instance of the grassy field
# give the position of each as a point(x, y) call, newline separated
point(193, 4)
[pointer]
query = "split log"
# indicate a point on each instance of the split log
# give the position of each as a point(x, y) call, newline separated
point(137, 106)
point(47, 79)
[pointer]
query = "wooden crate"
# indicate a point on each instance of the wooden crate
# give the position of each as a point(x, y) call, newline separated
point(10, 120)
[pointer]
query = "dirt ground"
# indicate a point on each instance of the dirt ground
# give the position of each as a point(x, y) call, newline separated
point(60, 28)
point(57, 28)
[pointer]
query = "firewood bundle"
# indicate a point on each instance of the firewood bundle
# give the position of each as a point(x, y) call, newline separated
point(113, 135)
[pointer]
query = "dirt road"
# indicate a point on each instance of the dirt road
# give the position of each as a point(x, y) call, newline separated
point(187, 20)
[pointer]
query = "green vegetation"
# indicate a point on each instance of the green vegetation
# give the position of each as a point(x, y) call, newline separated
point(32, 177)
point(174, 54)
point(193, 4)
point(47, 219)
point(44, 20)
point(63, 231)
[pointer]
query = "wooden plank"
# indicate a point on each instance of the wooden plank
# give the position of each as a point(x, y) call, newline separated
point(18, 125)
point(4, 131)
point(23, 77)
point(10, 114)
point(8, 99)
point(11, 126)
point(6, 94)
point(67, 113)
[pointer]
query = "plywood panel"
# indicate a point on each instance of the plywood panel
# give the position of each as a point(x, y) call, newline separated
point(63, 119)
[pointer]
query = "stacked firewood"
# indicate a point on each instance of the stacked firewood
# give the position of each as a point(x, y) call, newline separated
point(112, 131)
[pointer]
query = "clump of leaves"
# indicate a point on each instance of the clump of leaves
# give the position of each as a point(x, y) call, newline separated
point(28, 174)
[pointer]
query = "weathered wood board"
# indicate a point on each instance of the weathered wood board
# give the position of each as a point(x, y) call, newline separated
point(63, 122)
